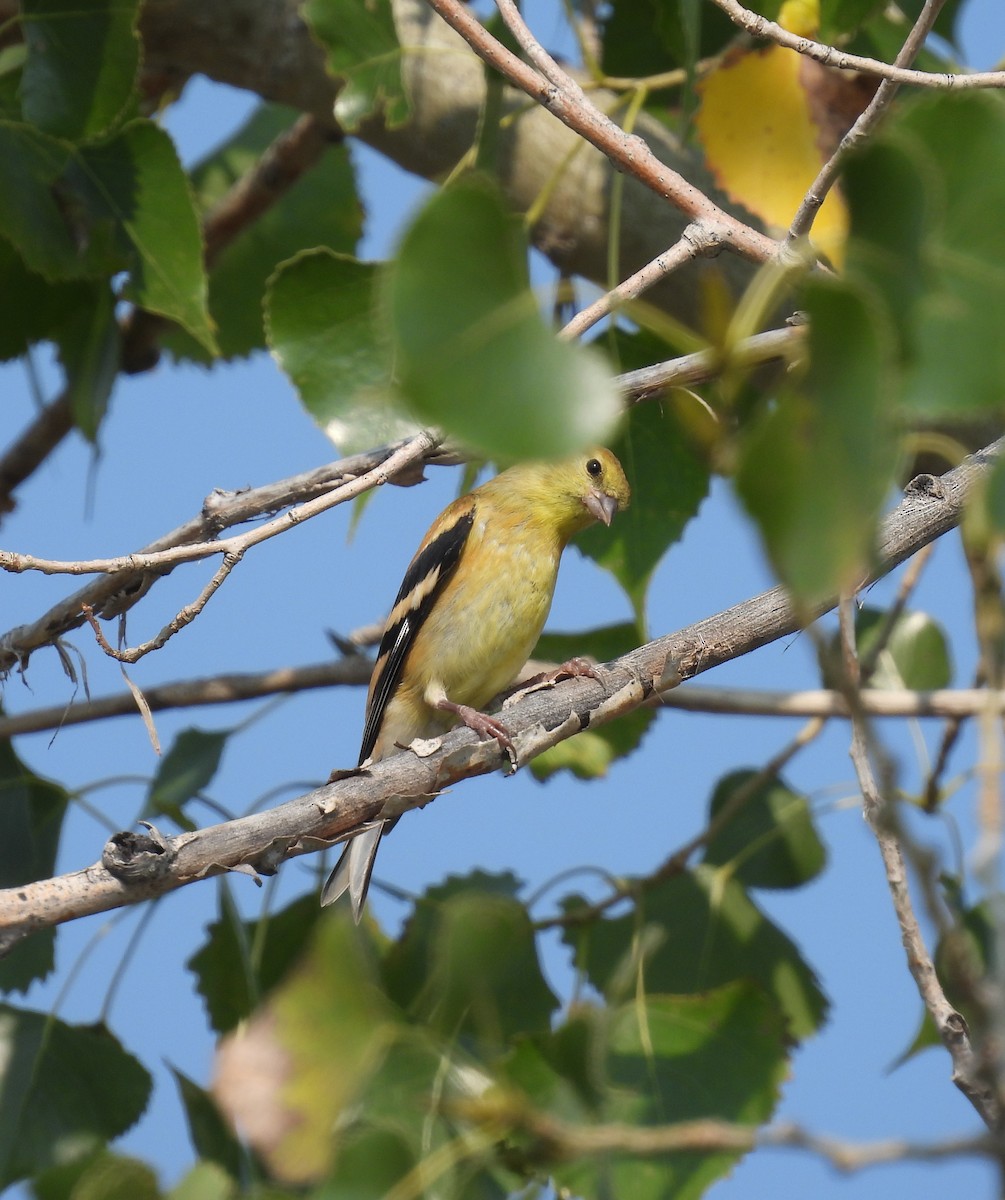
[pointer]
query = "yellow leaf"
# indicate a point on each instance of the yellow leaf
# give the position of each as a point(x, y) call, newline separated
point(761, 141)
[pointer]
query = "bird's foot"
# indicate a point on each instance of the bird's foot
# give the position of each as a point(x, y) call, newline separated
point(575, 668)
point(483, 725)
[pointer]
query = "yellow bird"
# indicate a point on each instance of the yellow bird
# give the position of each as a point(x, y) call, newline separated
point(468, 614)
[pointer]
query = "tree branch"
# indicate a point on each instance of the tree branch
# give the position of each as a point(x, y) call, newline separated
point(538, 720)
point(116, 594)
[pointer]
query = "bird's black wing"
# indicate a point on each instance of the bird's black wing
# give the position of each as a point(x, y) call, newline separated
point(425, 579)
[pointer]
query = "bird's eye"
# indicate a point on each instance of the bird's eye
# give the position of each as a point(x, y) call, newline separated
point(594, 467)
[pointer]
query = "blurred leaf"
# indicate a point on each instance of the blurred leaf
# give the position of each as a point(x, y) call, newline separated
point(326, 335)
point(31, 818)
point(698, 930)
point(212, 1138)
point(926, 198)
point(887, 238)
point(184, 771)
point(407, 961)
point(115, 1177)
point(978, 929)
point(361, 47)
point(12, 58)
point(485, 980)
point(81, 65)
point(205, 1181)
point(841, 17)
point(590, 754)
point(916, 654)
point(816, 467)
point(418, 1098)
point(669, 481)
point(89, 352)
point(370, 1162)
point(473, 354)
point(658, 1060)
point(32, 308)
point(64, 1090)
point(764, 141)
point(326, 1027)
point(945, 22)
point(771, 841)
point(650, 37)
point(268, 948)
point(321, 209)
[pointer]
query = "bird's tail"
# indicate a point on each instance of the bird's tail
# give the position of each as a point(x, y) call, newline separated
point(353, 870)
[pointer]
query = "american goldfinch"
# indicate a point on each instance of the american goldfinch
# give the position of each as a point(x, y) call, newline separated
point(468, 614)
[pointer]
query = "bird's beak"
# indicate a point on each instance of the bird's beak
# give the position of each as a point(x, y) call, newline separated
point(601, 506)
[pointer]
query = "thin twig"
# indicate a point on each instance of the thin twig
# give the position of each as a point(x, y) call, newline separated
point(553, 1139)
point(760, 27)
point(866, 122)
point(234, 549)
point(694, 241)
point(880, 814)
point(628, 152)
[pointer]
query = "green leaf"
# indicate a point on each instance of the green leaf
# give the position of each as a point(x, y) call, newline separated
point(361, 46)
point(31, 818)
point(325, 333)
point(39, 217)
point(81, 65)
point(64, 1090)
point(669, 481)
point(321, 209)
point(118, 205)
point(89, 346)
point(115, 1177)
point(770, 842)
point(658, 1060)
point(135, 185)
point(485, 980)
point(924, 201)
point(370, 1162)
point(916, 653)
point(184, 771)
point(473, 354)
point(31, 308)
point(698, 930)
point(816, 467)
point(205, 1181)
point(651, 37)
point(411, 1112)
point(241, 961)
point(212, 1137)
point(405, 965)
point(838, 18)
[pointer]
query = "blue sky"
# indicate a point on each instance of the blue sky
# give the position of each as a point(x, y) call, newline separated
point(177, 433)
